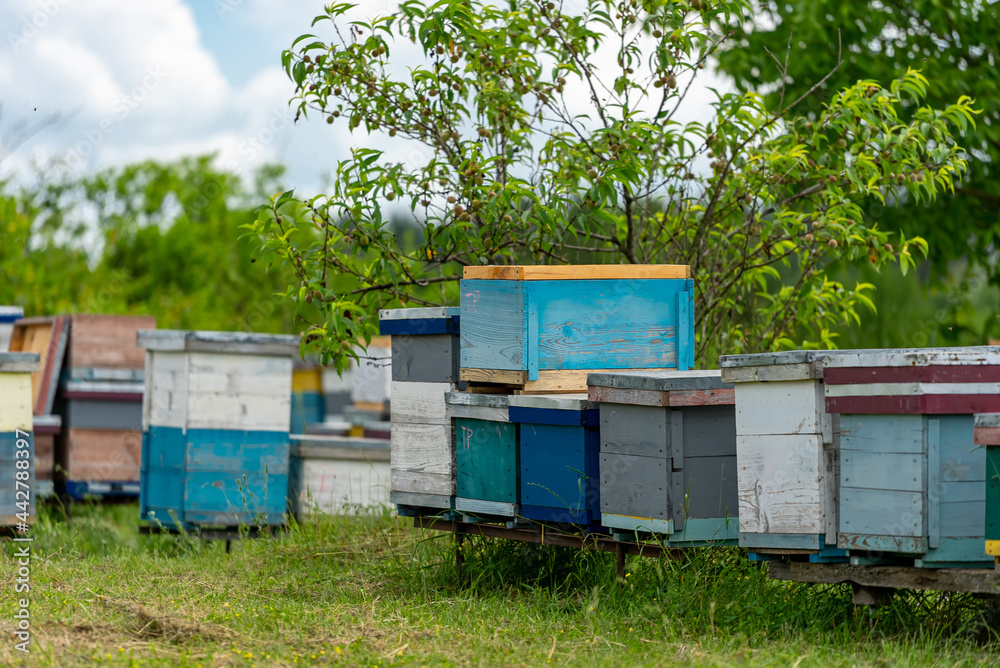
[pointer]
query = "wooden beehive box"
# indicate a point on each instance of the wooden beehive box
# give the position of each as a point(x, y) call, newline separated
point(487, 466)
point(371, 375)
point(668, 454)
point(912, 479)
point(17, 452)
point(216, 419)
point(333, 475)
point(541, 329)
point(987, 434)
point(308, 401)
point(47, 337)
point(100, 343)
point(424, 369)
point(787, 459)
point(47, 430)
point(559, 450)
point(101, 446)
point(8, 316)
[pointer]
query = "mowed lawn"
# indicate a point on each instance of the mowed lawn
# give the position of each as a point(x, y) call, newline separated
point(372, 591)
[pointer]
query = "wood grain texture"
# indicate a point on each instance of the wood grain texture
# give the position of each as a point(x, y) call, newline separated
point(562, 402)
point(781, 484)
point(48, 338)
point(106, 341)
point(236, 343)
point(423, 313)
point(772, 373)
point(662, 380)
point(935, 404)
point(421, 403)
point(493, 327)
point(423, 448)
point(914, 357)
point(486, 413)
point(437, 484)
point(577, 272)
point(952, 373)
point(983, 581)
point(655, 398)
point(569, 381)
point(102, 454)
point(791, 407)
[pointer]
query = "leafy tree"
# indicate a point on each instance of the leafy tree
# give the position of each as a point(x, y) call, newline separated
point(534, 152)
point(787, 46)
point(151, 238)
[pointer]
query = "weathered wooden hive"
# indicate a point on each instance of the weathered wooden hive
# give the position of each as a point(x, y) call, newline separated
point(371, 376)
point(308, 401)
point(487, 460)
point(987, 434)
point(668, 454)
point(334, 475)
point(559, 450)
point(787, 454)
point(336, 392)
point(8, 316)
point(912, 479)
point(47, 338)
point(216, 419)
point(17, 452)
point(424, 370)
point(100, 401)
point(541, 329)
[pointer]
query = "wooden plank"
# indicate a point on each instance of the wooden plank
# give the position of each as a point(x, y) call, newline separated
point(957, 552)
point(912, 357)
point(102, 455)
point(44, 456)
point(420, 403)
point(8, 316)
point(781, 543)
point(781, 484)
point(876, 544)
point(424, 448)
point(792, 407)
point(15, 402)
point(20, 362)
point(878, 512)
point(562, 402)
point(965, 404)
point(417, 500)
point(976, 581)
point(106, 341)
point(437, 484)
point(425, 359)
point(635, 486)
point(424, 313)
point(486, 413)
point(656, 398)
point(987, 436)
point(882, 470)
point(219, 342)
point(568, 380)
point(775, 373)
point(661, 380)
point(634, 430)
point(487, 507)
point(884, 433)
point(333, 487)
point(576, 272)
point(935, 374)
point(217, 410)
point(493, 327)
point(46, 337)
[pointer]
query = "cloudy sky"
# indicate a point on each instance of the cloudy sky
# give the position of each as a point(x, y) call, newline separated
point(106, 82)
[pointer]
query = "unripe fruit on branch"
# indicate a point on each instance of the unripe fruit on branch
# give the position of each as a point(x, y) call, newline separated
point(832, 243)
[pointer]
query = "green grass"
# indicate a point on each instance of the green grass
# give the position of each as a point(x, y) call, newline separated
point(373, 591)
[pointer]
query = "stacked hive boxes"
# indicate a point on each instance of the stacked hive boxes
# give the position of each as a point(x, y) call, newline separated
point(668, 454)
point(371, 386)
point(787, 454)
point(336, 392)
point(17, 493)
point(308, 401)
point(331, 474)
point(100, 402)
point(912, 480)
point(424, 369)
point(216, 419)
point(45, 337)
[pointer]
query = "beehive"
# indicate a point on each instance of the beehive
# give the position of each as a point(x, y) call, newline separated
point(541, 329)
point(668, 454)
point(333, 475)
point(487, 462)
point(100, 402)
point(424, 369)
point(216, 419)
point(559, 450)
point(987, 434)
point(8, 316)
point(17, 452)
point(912, 479)
point(47, 430)
point(336, 391)
point(308, 401)
point(371, 376)
point(48, 338)
point(787, 453)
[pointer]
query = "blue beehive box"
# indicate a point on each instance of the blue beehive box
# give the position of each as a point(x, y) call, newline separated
point(559, 445)
point(912, 479)
point(216, 419)
point(542, 328)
